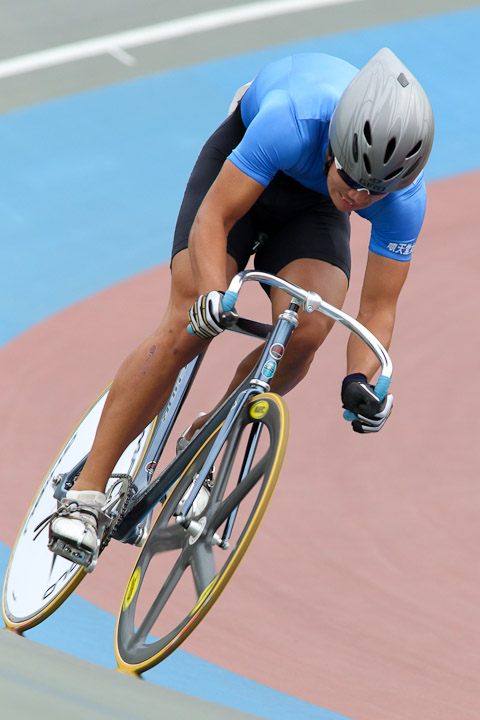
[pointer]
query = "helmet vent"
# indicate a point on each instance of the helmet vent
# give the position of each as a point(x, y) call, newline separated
point(415, 149)
point(414, 167)
point(393, 174)
point(402, 80)
point(390, 149)
point(355, 147)
point(367, 133)
point(366, 162)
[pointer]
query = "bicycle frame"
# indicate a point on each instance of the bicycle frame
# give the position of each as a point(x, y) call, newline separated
point(149, 490)
point(230, 435)
point(229, 469)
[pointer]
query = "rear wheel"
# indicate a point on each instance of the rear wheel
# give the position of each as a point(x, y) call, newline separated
point(194, 561)
point(37, 582)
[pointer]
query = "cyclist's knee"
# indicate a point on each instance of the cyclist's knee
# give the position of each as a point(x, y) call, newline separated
point(309, 336)
point(303, 346)
point(171, 338)
point(183, 292)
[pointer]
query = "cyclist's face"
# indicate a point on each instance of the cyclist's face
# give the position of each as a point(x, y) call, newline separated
point(346, 198)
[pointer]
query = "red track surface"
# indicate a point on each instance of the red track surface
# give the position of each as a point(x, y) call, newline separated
point(361, 590)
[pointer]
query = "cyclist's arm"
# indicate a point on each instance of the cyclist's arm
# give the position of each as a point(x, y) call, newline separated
point(383, 281)
point(232, 194)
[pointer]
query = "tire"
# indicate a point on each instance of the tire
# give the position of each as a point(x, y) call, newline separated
point(151, 624)
point(37, 582)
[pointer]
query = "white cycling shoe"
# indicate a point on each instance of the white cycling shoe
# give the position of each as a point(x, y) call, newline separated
point(77, 524)
point(199, 504)
point(182, 441)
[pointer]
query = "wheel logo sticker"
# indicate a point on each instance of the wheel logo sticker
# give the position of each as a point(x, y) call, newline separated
point(132, 588)
point(259, 410)
point(204, 595)
point(277, 350)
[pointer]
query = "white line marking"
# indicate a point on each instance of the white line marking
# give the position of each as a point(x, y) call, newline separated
point(114, 44)
point(122, 56)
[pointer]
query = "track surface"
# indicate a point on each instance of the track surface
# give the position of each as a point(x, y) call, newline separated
point(52, 684)
point(370, 604)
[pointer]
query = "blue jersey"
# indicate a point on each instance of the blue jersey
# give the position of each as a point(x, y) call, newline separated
point(286, 112)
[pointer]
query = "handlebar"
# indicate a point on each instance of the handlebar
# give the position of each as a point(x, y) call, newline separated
point(310, 302)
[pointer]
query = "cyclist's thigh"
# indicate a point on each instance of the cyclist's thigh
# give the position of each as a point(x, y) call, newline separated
point(328, 280)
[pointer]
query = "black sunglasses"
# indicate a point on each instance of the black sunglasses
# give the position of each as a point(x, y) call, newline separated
point(351, 182)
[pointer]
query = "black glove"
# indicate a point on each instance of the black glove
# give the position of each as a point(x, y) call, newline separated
point(205, 314)
point(358, 397)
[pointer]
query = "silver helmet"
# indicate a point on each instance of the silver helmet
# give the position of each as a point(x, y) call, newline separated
point(381, 131)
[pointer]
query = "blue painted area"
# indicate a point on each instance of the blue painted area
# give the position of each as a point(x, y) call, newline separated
point(80, 628)
point(90, 185)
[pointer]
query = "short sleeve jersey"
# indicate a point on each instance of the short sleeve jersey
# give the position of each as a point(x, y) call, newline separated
point(286, 112)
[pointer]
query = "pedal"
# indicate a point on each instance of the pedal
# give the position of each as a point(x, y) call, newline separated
point(80, 556)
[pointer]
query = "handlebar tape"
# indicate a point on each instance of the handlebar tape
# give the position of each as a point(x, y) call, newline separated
point(229, 300)
point(381, 388)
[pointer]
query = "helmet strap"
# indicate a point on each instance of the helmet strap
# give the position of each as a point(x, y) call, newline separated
point(328, 159)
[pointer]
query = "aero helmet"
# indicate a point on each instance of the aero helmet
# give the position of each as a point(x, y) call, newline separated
point(381, 131)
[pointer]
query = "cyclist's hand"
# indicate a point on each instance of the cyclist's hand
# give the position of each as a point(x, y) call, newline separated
point(359, 398)
point(205, 314)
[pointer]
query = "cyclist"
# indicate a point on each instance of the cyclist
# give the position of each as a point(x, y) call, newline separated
point(310, 141)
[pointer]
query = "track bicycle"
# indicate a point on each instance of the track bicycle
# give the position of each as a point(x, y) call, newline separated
point(213, 496)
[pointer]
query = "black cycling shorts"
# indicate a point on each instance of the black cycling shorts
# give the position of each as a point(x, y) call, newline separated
point(290, 220)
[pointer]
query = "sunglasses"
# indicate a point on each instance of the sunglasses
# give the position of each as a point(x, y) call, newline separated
point(352, 183)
